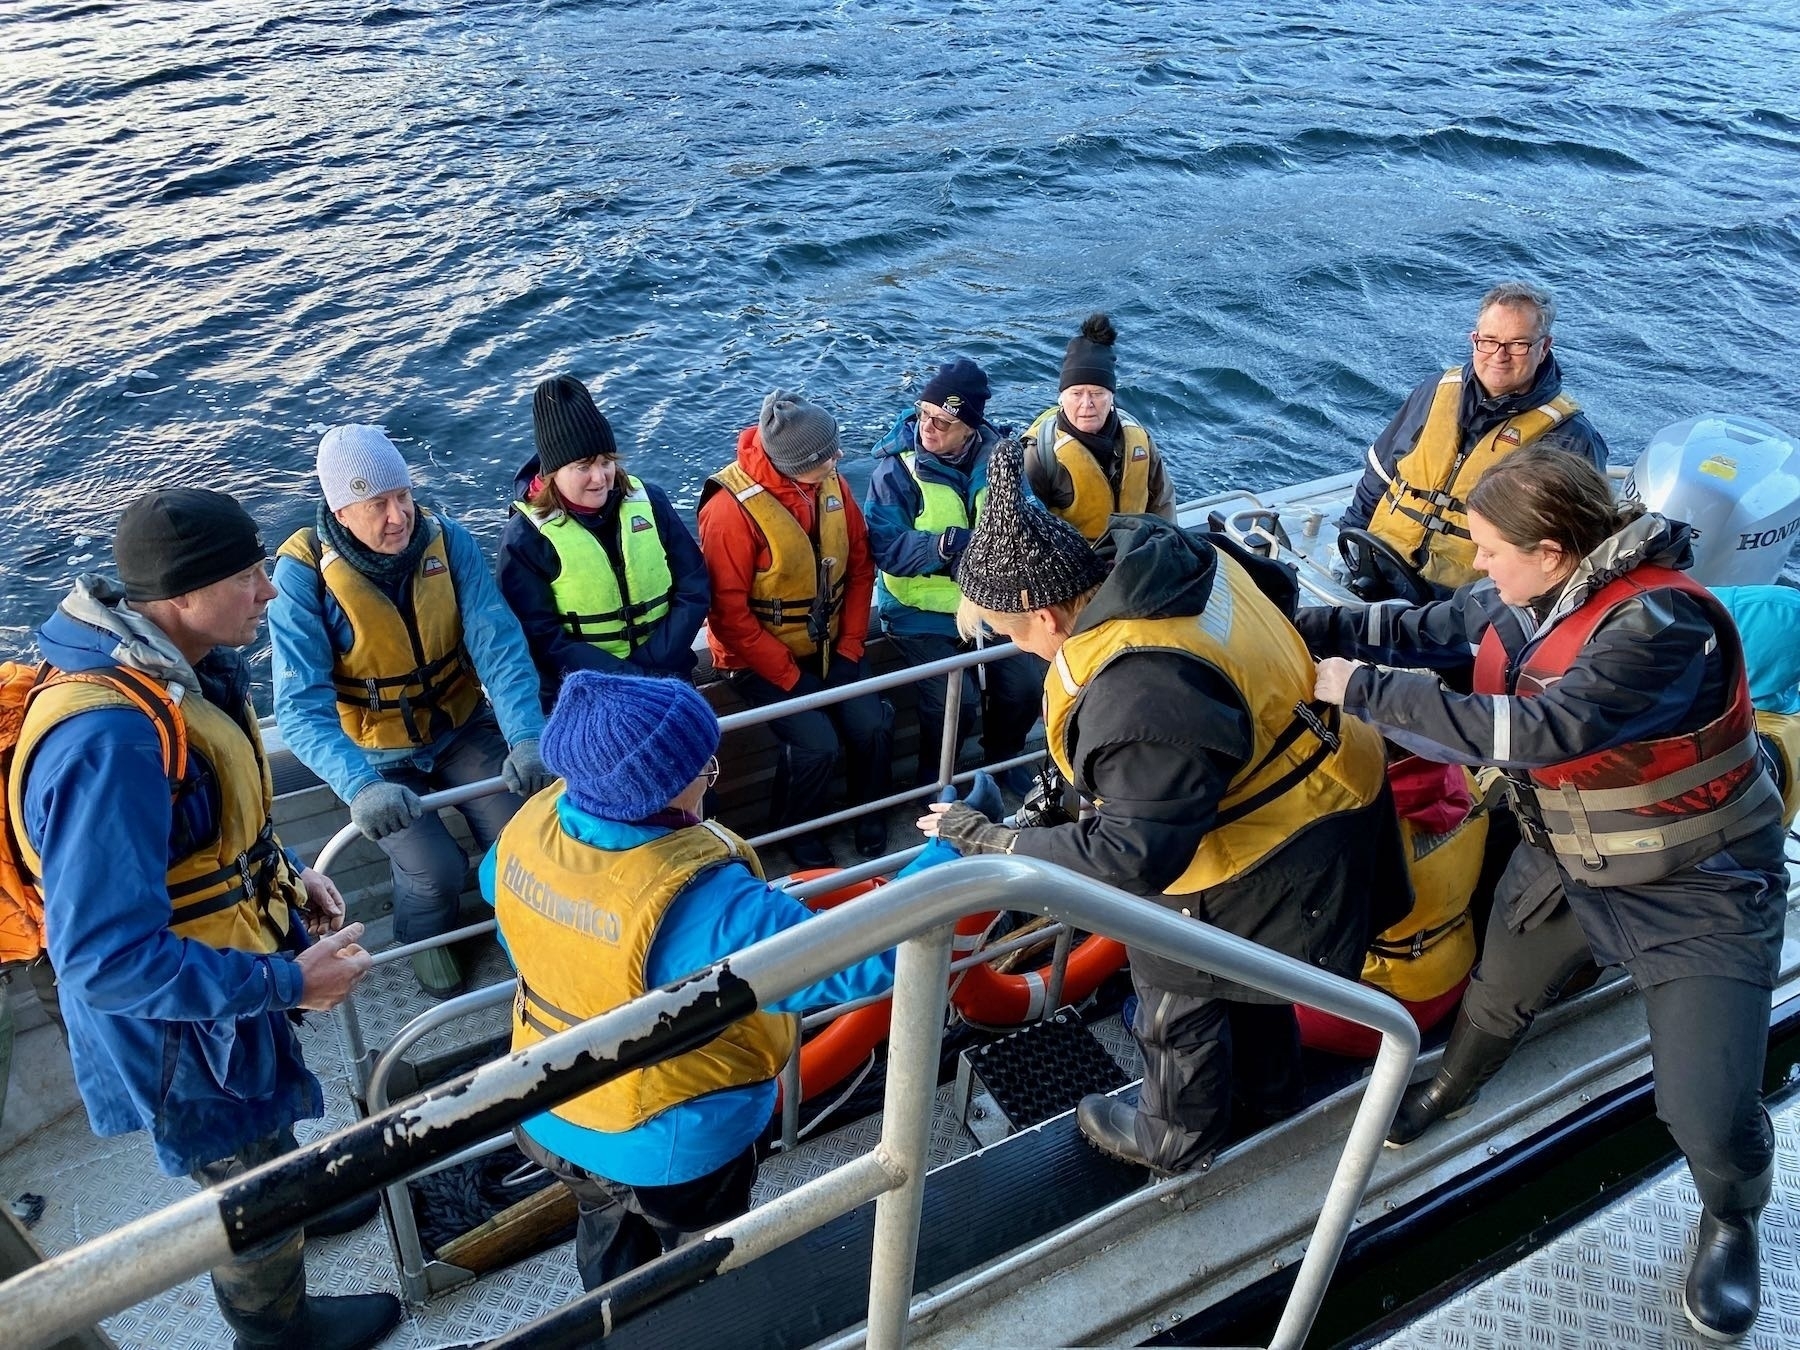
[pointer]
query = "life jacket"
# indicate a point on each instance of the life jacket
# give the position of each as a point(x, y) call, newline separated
point(799, 597)
point(1637, 812)
point(1429, 952)
point(579, 922)
point(1094, 502)
point(1306, 762)
point(1780, 733)
point(232, 890)
point(407, 678)
point(1424, 511)
point(942, 508)
point(612, 609)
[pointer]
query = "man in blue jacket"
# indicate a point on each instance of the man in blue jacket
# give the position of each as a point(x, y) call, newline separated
point(613, 885)
point(927, 492)
point(387, 627)
point(177, 924)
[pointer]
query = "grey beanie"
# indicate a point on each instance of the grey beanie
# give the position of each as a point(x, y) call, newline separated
point(796, 435)
point(1021, 557)
point(359, 462)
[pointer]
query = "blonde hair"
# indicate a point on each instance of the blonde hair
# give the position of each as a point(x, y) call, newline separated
point(971, 618)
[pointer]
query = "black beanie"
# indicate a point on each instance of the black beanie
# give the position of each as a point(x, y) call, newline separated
point(1089, 358)
point(567, 425)
point(1021, 557)
point(175, 540)
point(960, 388)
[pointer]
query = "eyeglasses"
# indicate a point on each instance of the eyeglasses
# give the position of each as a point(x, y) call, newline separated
point(711, 771)
point(1487, 346)
point(936, 421)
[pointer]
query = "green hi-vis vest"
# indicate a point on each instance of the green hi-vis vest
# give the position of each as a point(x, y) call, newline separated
point(599, 605)
point(942, 509)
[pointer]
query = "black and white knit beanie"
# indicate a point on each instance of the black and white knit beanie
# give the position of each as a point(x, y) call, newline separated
point(1021, 557)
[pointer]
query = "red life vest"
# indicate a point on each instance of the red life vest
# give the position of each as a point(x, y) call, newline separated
point(1640, 811)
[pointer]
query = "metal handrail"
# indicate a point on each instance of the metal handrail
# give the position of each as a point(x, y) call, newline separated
point(110, 1273)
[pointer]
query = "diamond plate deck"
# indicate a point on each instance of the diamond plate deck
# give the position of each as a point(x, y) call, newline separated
point(1614, 1281)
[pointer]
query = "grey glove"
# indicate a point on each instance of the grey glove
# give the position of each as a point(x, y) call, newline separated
point(525, 771)
point(969, 832)
point(382, 809)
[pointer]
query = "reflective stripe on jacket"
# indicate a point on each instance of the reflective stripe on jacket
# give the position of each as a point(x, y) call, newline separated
point(611, 608)
point(1643, 810)
point(784, 596)
point(943, 508)
point(407, 678)
point(1424, 511)
point(1306, 763)
point(579, 922)
point(1094, 502)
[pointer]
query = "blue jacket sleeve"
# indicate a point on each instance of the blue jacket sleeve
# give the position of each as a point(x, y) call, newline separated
point(301, 618)
point(527, 566)
point(669, 650)
point(494, 639)
point(97, 807)
point(892, 505)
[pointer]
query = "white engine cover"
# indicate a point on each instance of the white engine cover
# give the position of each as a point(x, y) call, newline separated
point(1736, 480)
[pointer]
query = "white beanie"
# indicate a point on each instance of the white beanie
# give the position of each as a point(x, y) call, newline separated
point(359, 462)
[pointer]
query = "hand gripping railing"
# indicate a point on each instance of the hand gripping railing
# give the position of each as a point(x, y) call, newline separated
point(113, 1272)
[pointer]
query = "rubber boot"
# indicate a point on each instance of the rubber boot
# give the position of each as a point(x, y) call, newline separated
point(439, 974)
point(1111, 1126)
point(1471, 1058)
point(336, 1322)
point(1724, 1285)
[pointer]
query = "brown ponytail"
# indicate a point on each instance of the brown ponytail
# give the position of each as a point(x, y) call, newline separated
point(1540, 493)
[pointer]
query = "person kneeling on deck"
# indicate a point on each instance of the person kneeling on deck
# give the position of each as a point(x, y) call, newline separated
point(611, 885)
point(1086, 460)
point(176, 922)
point(1610, 689)
point(386, 627)
point(1179, 704)
point(927, 492)
point(787, 553)
point(1450, 431)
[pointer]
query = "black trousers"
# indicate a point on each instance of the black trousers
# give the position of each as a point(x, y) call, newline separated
point(260, 1291)
point(622, 1227)
point(1200, 1054)
point(1009, 694)
point(812, 741)
point(1708, 1038)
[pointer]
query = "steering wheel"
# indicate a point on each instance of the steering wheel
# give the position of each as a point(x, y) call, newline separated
point(1379, 571)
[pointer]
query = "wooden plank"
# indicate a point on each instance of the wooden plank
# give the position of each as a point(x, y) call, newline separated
point(514, 1233)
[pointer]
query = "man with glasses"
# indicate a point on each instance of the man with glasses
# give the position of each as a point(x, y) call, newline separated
point(1451, 430)
point(927, 492)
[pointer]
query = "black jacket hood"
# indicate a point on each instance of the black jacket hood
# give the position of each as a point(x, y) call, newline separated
point(1161, 571)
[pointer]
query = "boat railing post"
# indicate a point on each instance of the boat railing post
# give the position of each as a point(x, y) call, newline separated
point(790, 1099)
point(950, 742)
point(921, 982)
point(1059, 970)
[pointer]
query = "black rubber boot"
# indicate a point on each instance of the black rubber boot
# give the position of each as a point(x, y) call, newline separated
point(1724, 1285)
point(341, 1322)
point(1470, 1059)
point(1111, 1126)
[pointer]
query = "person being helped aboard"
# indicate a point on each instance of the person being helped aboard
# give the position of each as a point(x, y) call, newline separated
point(787, 553)
point(1086, 460)
point(1451, 430)
point(1609, 687)
point(596, 564)
point(1179, 704)
point(1768, 621)
point(386, 628)
point(927, 492)
point(658, 893)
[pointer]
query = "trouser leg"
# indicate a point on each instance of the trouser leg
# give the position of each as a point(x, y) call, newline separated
point(808, 750)
point(933, 698)
point(1521, 972)
point(478, 753)
point(866, 724)
point(1265, 1061)
point(1184, 1105)
point(1015, 697)
point(429, 868)
point(1708, 1039)
point(262, 1291)
point(679, 1211)
point(610, 1239)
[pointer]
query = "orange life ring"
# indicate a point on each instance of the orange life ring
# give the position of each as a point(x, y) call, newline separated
point(1332, 1034)
point(842, 1046)
point(989, 997)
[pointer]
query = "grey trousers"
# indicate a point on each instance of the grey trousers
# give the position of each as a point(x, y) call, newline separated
point(261, 1292)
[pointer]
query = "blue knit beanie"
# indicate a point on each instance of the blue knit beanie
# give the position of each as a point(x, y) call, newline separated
point(626, 745)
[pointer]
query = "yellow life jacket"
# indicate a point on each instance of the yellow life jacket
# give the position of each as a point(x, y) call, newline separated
point(1306, 762)
point(1094, 503)
point(783, 596)
point(1424, 511)
point(407, 678)
point(941, 508)
point(232, 890)
point(1781, 732)
point(1433, 947)
point(579, 922)
point(612, 611)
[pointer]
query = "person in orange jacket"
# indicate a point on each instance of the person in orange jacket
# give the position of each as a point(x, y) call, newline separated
point(787, 553)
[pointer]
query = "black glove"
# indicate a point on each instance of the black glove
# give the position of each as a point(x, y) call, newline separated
point(969, 832)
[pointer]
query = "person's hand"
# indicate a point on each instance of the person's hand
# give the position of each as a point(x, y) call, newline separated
point(965, 829)
point(382, 809)
point(1332, 678)
point(324, 908)
point(525, 771)
point(331, 968)
point(951, 543)
point(808, 683)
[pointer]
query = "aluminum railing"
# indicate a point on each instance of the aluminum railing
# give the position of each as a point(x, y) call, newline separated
point(113, 1272)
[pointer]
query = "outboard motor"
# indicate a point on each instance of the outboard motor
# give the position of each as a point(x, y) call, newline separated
point(1736, 480)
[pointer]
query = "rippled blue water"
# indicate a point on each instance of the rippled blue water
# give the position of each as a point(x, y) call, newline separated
point(227, 231)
